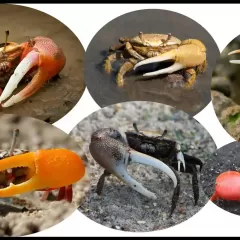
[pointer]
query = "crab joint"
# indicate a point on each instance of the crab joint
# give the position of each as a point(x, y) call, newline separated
point(234, 61)
point(43, 169)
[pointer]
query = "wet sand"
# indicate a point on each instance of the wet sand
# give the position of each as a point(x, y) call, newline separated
point(122, 208)
point(57, 97)
point(102, 86)
point(25, 214)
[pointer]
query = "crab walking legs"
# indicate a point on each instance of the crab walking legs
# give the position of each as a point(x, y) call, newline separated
point(110, 151)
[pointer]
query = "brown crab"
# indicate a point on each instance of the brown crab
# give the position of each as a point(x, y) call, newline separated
point(188, 55)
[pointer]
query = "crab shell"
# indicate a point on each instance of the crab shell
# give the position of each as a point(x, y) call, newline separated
point(154, 40)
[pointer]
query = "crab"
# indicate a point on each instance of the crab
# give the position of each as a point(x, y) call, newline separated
point(227, 186)
point(166, 150)
point(234, 52)
point(44, 170)
point(39, 59)
point(110, 150)
point(188, 56)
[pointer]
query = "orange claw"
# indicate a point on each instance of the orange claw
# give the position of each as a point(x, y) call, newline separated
point(41, 54)
point(227, 186)
point(45, 170)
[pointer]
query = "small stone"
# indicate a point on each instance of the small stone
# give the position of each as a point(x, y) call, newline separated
point(141, 222)
point(154, 204)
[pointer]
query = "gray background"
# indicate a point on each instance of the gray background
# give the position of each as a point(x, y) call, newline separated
point(102, 86)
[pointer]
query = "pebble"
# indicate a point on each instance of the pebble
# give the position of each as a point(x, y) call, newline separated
point(141, 222)
point(154, 204)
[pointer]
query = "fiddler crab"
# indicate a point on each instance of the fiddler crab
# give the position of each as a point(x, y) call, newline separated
point(227, 186)
point(45, 170)
point(188, 55)
point(112, 152)
point(234, 52)
point(40, 58)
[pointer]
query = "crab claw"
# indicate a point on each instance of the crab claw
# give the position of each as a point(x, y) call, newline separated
point(189, 55)
point(234, 61)
point(180, 158)
point(115, 156)
point(227, 186)
point(40, 54)
point(44, 169)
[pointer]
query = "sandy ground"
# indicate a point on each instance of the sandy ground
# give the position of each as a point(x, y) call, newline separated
point(59, 96)
point(102, 86)
point(225, 159)
point(26, 214)
point(121, 207)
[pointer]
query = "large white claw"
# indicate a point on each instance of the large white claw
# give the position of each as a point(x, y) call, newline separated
point(24, 66)
point(137, 157)
point(123, 175)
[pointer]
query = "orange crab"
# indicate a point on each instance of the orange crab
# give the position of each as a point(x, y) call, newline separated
point(40, 57)
point(227, 186)
point(43, 170)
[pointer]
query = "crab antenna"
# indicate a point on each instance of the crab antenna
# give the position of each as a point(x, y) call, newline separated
point(6, 40)
point(14, 140)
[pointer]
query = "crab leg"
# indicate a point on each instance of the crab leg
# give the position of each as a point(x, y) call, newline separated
point(125, 68)
point(31, 60)
point(234, 61)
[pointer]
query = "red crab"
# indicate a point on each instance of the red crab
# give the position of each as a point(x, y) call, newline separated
point(40, 57)
point(227, 186)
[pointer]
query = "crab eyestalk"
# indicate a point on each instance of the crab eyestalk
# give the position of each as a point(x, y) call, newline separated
point(45, 169)
point(234, 61)
point(115, 156)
